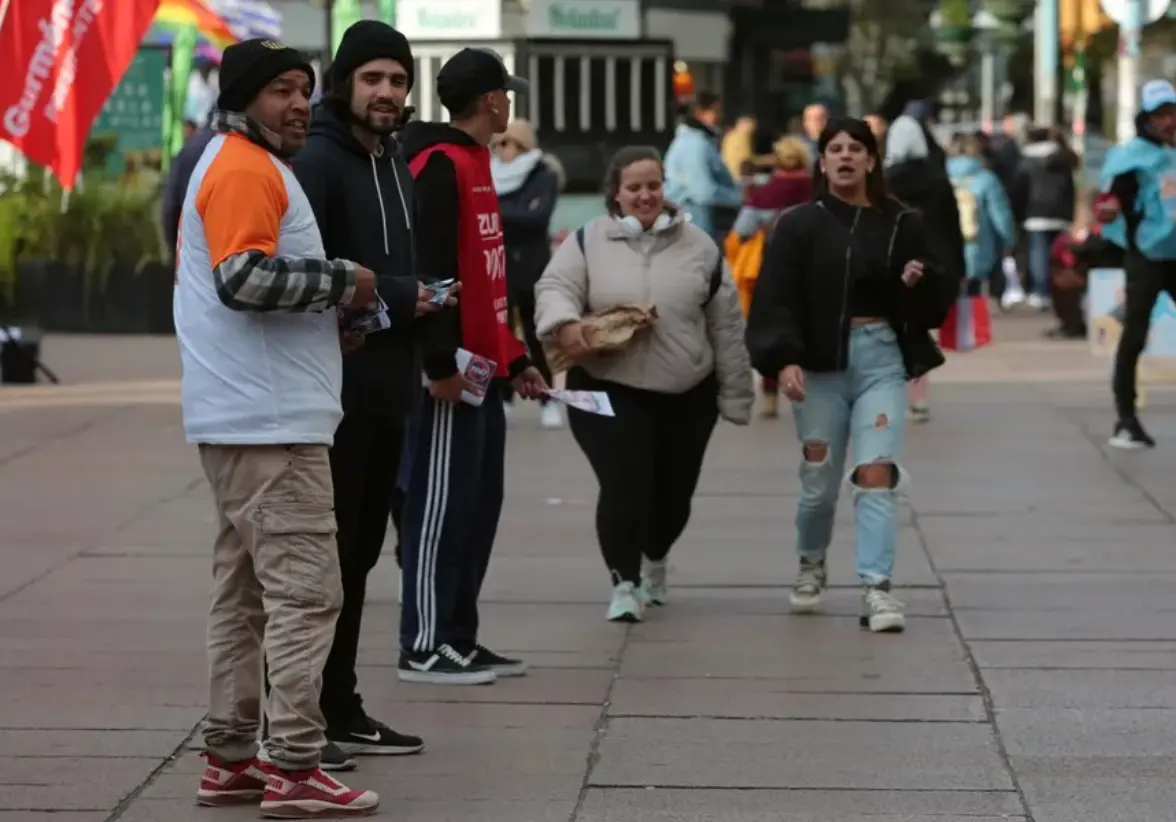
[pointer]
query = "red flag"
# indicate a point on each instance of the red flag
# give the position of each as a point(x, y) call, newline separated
point(60, 60)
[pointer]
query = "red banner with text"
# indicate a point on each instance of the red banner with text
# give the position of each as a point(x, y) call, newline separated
point(60, 60)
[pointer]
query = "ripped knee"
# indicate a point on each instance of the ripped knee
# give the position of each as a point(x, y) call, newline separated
point(816, 452)
point(876, 476)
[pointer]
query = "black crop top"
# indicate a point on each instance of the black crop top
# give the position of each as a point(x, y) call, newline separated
point(872, 286)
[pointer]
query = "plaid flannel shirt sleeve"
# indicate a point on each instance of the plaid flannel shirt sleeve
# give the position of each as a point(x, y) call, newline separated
point(252, 281)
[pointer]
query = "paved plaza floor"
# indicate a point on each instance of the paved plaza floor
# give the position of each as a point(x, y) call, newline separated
point(1036, 680)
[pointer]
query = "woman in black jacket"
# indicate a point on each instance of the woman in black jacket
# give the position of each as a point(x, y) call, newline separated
point(528, 183)
point(846, 296)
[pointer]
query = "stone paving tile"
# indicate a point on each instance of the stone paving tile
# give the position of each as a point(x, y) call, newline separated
point(69, 783)
point(1093, 654)
point(1148, 592)
point(1074, 733)
point(799, 754)
point(1079, 623)
point(53, 816)
point(1103, 689)
point(815, 655)
point(79, 743)
point(429, 810)
point(675, 805)
point(772, 699)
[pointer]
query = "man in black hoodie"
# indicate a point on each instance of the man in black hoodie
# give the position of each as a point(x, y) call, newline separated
point(361, 192)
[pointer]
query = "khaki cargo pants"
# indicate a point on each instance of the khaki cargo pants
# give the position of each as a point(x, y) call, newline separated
point(276, 585)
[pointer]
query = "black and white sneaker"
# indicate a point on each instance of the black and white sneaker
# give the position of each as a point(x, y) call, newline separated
point(335, 758)
point(364, 736)
point(1130, 435)
point(499, 664)
point(444, 666)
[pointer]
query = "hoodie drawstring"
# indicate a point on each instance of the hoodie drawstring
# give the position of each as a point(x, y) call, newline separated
point(380, 198)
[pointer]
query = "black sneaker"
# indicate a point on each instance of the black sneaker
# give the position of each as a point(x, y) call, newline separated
point(335, 759)
point(365, 736)
point(499, 664)
point(444, 666)
point(1129, 434)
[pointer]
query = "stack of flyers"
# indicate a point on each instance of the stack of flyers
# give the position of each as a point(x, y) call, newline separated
point(368, 320)
point(478, 370)
point(439, 291)
point(594, 402)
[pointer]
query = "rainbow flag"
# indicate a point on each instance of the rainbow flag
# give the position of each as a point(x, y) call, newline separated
point(174, 15)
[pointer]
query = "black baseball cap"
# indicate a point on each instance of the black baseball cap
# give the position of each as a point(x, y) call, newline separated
point(473, 72)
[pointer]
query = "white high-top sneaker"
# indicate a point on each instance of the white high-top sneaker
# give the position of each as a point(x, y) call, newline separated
point(654, 590)
point(626, 604)
point(881, 610)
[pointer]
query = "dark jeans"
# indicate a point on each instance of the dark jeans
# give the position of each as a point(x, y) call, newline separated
point(1146, 280)
point(1039, 244)
point(647, 460)
point(523, 300)
point(364, 463)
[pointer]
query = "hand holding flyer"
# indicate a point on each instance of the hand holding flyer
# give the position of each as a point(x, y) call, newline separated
point(368, 320)
point(593, 402)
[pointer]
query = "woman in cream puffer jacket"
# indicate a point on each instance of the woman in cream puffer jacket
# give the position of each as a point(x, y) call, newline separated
point(668, 388)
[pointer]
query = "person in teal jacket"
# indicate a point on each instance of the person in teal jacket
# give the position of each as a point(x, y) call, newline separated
point(986, 217)
point(1138, 205)
point(697, 179)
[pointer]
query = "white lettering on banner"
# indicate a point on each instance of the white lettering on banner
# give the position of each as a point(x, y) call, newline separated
point(495, 262)
point(44, 60)
point(489, 225)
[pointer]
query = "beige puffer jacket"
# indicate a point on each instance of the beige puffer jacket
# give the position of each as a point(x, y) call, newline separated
point(671, 268)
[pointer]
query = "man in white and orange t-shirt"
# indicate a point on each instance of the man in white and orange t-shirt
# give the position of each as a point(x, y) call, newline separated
point(256, 320)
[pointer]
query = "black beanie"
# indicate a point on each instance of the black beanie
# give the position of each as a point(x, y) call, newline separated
point(249, 66)
point(365, 41)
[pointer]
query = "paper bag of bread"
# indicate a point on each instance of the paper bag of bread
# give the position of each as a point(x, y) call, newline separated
point(613, 329)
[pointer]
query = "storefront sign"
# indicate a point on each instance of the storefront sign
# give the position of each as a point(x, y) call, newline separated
point(580, 19)
point(449, 19)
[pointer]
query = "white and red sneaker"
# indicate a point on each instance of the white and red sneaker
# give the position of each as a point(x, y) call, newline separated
point(312, 794)
point(230, 783)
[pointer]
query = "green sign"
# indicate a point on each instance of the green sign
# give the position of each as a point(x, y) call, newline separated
point(599, 19)
point(133, 114)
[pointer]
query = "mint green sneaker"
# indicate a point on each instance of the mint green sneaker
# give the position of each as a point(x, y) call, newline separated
point(626, 604)
point(654, 590)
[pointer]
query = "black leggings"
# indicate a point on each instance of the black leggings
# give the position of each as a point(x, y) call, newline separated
point(523, 301)
point(647, 460)
point(1146, 280)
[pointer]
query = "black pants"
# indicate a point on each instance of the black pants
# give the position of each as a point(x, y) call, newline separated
point(1146, 280)
point(364, 464)
point(453, 501)
point(647, 460)
point(523, 300)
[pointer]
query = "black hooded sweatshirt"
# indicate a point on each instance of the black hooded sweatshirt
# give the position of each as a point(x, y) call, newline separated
point(362, 203)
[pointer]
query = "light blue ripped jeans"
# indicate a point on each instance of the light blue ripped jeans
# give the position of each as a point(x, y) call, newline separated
point(861, 410)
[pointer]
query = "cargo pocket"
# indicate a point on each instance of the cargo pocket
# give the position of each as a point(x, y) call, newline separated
point(297, 557)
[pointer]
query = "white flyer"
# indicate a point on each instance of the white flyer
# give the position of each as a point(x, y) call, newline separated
point(594, 402)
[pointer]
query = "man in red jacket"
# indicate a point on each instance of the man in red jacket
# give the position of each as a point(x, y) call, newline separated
point(456, 444)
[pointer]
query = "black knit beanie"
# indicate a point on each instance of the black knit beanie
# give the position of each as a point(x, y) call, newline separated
point(363, 42)
point(249, 66)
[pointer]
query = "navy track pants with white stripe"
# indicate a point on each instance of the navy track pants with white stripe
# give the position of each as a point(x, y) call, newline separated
point(455, 477)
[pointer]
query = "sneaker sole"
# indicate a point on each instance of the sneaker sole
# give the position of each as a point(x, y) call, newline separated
point(805, 605)
point(362, 749)
point(883, 624)
point(313, 809)
point(425, 678)
point(1127, 445)
point(629, 619)
point(339, 767)
point(509, 671)
point(227, 800)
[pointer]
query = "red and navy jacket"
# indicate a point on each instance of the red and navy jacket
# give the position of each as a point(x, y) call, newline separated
point(459, 235)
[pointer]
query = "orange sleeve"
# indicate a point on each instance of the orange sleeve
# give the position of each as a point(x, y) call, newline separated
point(241, 201)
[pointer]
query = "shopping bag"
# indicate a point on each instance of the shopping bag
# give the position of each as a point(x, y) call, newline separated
point(1014, 291)
point(968, 325)
point(744, 258)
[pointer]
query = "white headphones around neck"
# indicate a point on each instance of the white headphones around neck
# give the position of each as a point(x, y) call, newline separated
point(633, 228)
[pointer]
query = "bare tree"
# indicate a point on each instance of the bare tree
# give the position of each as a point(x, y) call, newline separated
point(880, 49)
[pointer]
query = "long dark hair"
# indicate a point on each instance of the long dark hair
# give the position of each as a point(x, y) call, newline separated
point(859, 131)
point(624, 158)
